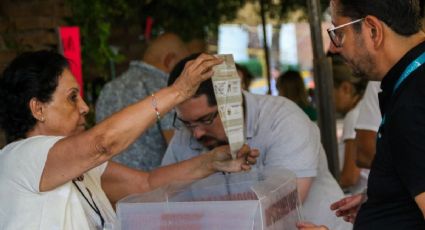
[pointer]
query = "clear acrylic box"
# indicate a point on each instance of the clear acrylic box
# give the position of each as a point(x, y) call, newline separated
point(263, 199)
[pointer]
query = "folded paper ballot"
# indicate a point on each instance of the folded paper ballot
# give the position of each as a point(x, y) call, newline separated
point(227, 90)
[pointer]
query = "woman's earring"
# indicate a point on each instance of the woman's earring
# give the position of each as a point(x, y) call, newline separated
point(42, 119)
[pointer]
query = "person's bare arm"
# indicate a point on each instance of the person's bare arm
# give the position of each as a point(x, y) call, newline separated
point(366, 147)
point(303, 186)
point(119, 181)
point(350, 173)
point(74, 155)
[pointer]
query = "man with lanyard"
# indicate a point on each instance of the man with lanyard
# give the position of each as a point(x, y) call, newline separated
point(381, 40)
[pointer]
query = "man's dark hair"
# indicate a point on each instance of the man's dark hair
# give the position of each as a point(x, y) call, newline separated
point(206, 87)
point(402, 16)
point(30, 75)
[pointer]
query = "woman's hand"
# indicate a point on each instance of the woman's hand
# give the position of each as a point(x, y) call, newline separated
point(222, 159)
point(195, 72)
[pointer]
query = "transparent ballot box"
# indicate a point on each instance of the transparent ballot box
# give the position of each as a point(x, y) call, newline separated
point(255, 200)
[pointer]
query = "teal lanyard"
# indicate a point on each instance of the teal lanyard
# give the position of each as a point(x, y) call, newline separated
point(409, 69)
point(414, 65)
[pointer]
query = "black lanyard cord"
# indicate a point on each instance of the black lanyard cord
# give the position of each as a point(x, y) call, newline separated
point(93, 206)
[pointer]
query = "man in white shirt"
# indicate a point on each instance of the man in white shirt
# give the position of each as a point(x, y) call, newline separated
point(277, 127)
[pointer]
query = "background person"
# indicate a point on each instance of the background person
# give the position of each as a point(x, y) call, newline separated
point(290, 84)
point(245, 75)
point(141, 80)
point(54, 174)
point(367, 125)
point(348, 91)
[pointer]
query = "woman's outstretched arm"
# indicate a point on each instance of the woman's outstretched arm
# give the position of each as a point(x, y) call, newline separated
point(119, 181)
point(74, 155)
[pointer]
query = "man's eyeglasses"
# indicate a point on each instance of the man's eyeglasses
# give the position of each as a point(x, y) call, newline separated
point(338, 38)
point(205, 121)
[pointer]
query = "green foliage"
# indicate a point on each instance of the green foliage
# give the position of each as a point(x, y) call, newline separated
point(190, 18)
point(94, 17)
point(287, 67)
point(292, 5)
point(285, 8)
point(254, 66)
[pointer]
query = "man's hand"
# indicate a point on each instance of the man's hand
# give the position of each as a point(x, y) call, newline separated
point(348, 207)
point(310, 226)
point(222, 159)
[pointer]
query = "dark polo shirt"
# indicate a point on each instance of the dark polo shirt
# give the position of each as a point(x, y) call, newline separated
point(398, 170)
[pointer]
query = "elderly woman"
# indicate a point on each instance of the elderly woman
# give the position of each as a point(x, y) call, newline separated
point(56, 175)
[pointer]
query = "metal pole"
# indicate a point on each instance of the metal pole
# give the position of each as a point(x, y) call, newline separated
point(266, 47)
point(324, 88)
